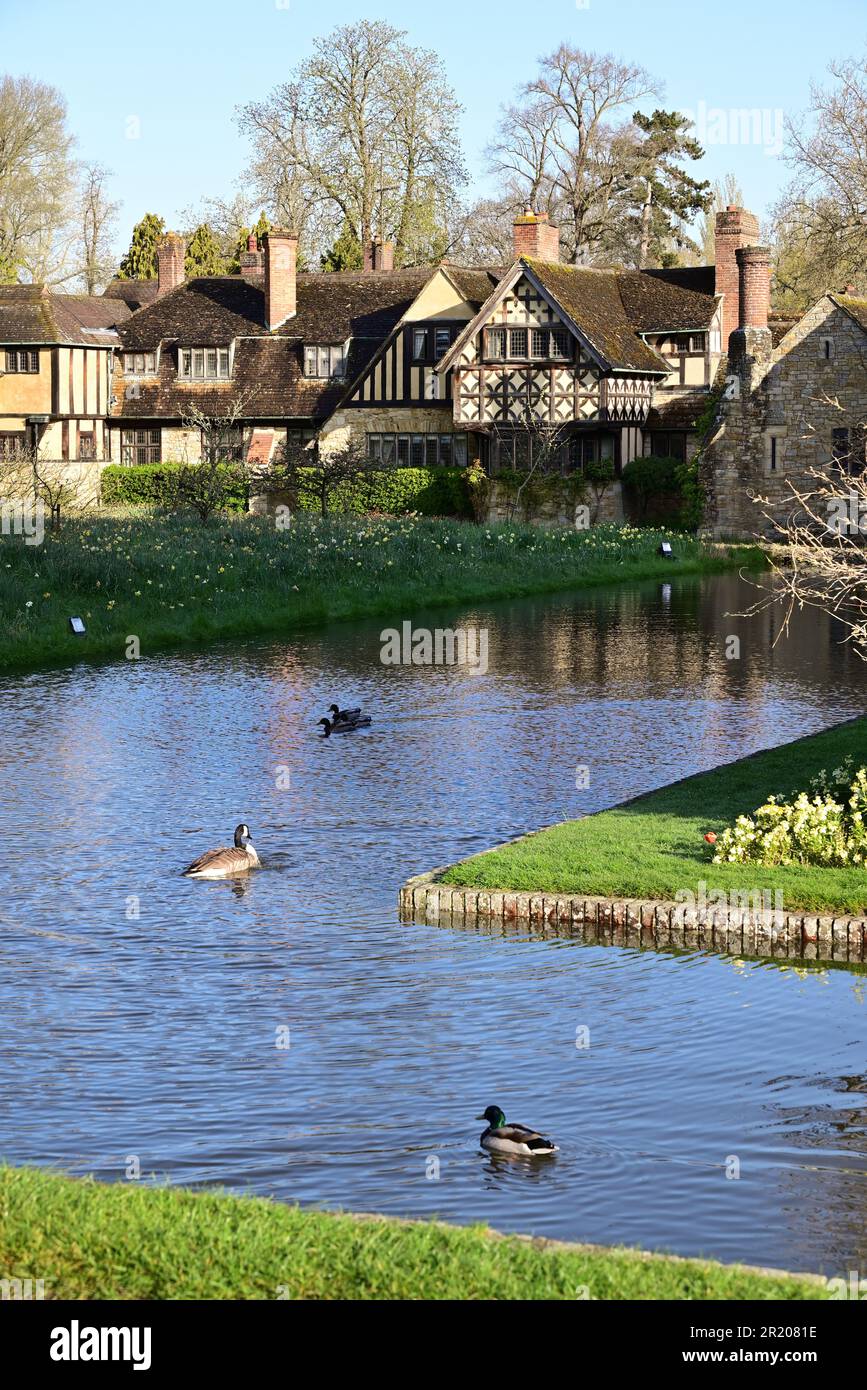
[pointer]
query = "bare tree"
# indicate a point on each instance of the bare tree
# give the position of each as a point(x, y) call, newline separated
point(306, 474)
point(364, 135)
point(824, 534)
point(558, 143)
point(36, 180)
point(97, 216)
point(27, 478)
point(822, 217)
point(220, 477)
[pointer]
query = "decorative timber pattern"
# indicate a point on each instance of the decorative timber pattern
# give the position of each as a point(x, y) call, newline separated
point(497, 382)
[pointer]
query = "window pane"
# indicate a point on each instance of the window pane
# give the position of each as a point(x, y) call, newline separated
point(150, 361)
point(198, 363)
point(338, 361)
point(186, 363)
point(459, 446)
point(539, 343)
point(560, 343)
point(224, 361)
point(309, 361)
point(518, 342)
point(432, 451)
point(442, 343)
point(211, 358)
point(445, 448)
point(374, 446)
point(388, 448)
point(417, 454)
point(419, 344)
point(139, 363)
point(403, 450)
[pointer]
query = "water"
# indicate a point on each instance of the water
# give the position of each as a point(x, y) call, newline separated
point(155, 1039)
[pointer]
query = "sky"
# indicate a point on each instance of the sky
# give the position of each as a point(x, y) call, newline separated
point(152, 90)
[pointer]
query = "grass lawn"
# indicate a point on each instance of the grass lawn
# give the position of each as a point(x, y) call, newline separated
point(168, 580)
point(651, 847)
point(89, 1240)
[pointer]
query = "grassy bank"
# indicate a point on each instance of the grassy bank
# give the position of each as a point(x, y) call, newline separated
point(654, 846)
point(170, 581)
point(92, 1241)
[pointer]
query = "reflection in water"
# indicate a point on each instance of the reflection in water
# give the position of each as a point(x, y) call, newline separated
point(142, 1011)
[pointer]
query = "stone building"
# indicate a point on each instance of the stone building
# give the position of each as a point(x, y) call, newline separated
point(445, 364)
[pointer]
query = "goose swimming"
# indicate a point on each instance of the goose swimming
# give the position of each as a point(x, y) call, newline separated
point(229, 861)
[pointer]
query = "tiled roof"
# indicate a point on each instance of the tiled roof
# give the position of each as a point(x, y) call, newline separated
point(854, 306)
point(475, 285)
point(33, 314)
point(134, 292)
point(679, 413)
point(654, 303)
point(593, 300)
point(210, 312)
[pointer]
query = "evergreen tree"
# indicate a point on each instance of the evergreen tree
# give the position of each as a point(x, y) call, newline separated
point(204, 256)
point(140, 261)
point(346, 253)
point(667, 194)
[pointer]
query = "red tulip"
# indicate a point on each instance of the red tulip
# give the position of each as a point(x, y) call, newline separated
point(710, 837)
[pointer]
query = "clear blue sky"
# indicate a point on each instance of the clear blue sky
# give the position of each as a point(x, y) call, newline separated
point(181, 66)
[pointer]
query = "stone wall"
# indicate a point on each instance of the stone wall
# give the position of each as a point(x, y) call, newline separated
point(556, 510)
point(777, 421)
point(636, 924)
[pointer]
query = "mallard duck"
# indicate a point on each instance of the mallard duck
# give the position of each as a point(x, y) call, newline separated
point(347, 727)
point(500, 1138)
point(226, 862)
point(344, 716)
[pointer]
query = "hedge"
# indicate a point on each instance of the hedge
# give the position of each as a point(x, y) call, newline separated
point(429, 491)
point(150, 484)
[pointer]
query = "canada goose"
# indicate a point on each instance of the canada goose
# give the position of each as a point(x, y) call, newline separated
point(336, 727)
point(500, 1138)
point(226, 862)
point(344, 716)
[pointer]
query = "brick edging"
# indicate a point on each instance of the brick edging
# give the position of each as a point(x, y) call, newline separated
point(635, 922)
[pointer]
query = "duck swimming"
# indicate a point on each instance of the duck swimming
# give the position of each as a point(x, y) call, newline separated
point(337, 726)
point(226, 862)
point(500, 1138)
point(344, 716)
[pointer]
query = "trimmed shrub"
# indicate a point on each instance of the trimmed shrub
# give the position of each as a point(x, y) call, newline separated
point(151, 485)
point(428, 491)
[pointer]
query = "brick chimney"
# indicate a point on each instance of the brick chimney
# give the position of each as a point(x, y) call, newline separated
point(170, 263)
point(754, 285)
point(735, 228)
point(535, 237)
point(281, 256)
point(253, 259)
point(379, 255)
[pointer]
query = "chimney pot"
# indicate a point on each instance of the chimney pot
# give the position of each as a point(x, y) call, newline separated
point(252, 242)
point(171, 253)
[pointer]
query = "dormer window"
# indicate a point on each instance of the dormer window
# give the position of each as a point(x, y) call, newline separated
point(325, 360)
point(430, 343)
point(203, 364)
point(139, 363)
